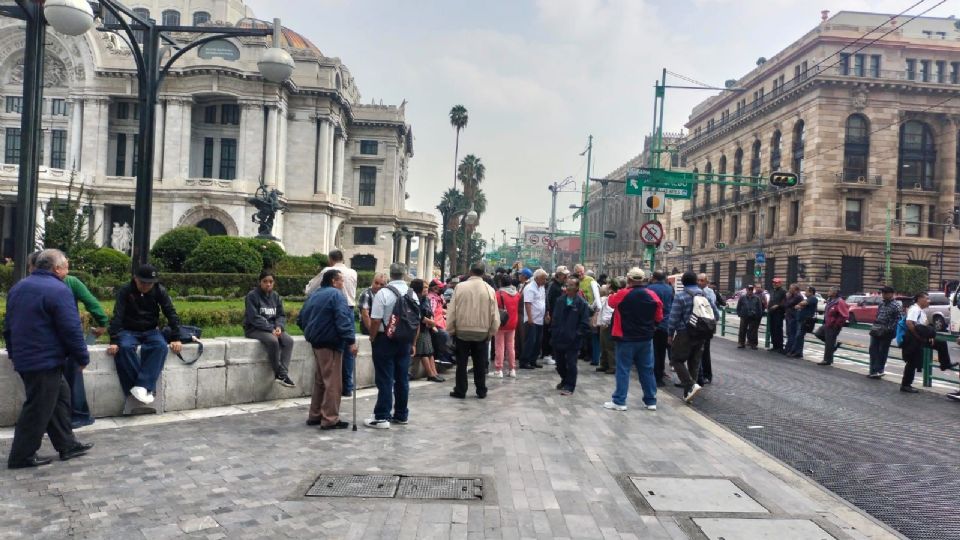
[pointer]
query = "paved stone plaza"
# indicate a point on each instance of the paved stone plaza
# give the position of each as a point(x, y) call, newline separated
point(554, 467)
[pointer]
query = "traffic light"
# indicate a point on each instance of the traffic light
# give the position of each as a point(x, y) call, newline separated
point(783, 179)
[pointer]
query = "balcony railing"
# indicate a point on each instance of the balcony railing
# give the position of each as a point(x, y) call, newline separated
point(856, 176)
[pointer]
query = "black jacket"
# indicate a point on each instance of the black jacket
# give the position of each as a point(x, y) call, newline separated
point(777, 298)
point(138, 312)
point(569, 323)
point(263, 312)
point(554, 290)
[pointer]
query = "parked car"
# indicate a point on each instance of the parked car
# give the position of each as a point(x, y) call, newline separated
point(865, 311)
point(938, 312)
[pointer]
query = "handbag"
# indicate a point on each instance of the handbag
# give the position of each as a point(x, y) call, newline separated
point(187, 334)
point(880, 332)
point(504, 314)
point(821, 333)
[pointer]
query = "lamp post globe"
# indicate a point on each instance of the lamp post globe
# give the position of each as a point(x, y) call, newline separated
point(276, 65)
point(471, 218)
point(70, 17)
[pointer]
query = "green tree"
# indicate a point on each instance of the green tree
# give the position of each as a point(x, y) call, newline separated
point(458, 119)
point(451, 203)
point(66, 223)
point(472, 173)
point(910, 279)
point(173, 247)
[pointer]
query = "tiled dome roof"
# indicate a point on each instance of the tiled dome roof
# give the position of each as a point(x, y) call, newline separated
point(288, 39)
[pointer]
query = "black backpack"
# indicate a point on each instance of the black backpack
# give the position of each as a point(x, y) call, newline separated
point(404, 320)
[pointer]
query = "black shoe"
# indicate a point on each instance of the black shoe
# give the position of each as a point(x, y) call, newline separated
point(538, 366)
point(78, 423)
point(953, 366)
point(954, 397)
point(526, 366)
point(77, 450)
point(346, 394)
point(601, 369)
point(436, 379)
point(824, 363)
point(285, 381)
point(339, 425)
point(741, 346)
point(909, 390)
point(458, 396)
point(559, 386)
point(313, 421)
point(754, 347)
point(482, 396)
point(32, 461)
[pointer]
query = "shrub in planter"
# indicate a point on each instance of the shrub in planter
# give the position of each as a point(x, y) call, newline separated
point(270, 251)
point(229, 285)
point(171, 250)
point(910, 279)
point(224, 254)
point(321, 259)
point(298, 265)
point(102, 262)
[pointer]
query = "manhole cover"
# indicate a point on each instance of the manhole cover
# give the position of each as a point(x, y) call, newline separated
point(667, 494)
point(354, 485)
point(760, 529)
point(438, 487)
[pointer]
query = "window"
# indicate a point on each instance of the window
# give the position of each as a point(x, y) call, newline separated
point(230, 114)
point(136, 155)
point(368, 186)
point(844, 63)
point(911, 220)
point(875, 66)
point(803, 68)
point(911, 69)
point(794, 217)
point(693, 234)
point(752, 226)
point(58, 107)
point(932, 228)
point(941, 72)
point(856, 148)
point(14, 104)
point(737, 171)
point(364, 236)
point(954, 72)
point(228, 159)
point(854, 215)
point(694, 189)
point(11, 151)
point(200, 17)
point(207, 157)
point(775, 151)
point(210, 114)
point(771, 221)
point(925, 70)
point(123, 110)
point(58, 148)
point(706, 187)
point(718, 231)
point(918, 157)
point(171, 17)
point(703, 235)
point(143, 13)
point(859, 65)
point(796, 72)
point(755, 162)
point(798, 148)
point(734, 228)
point(369, 148)
point(120, 165)
point(722, 189)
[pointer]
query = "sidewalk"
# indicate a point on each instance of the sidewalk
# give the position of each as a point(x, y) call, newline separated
point(552, 467)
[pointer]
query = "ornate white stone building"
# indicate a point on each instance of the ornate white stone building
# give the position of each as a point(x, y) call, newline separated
point(221, 128)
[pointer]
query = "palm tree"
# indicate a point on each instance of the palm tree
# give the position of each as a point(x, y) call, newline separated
point(451, 203)
point(458, 119)
point(472, 173)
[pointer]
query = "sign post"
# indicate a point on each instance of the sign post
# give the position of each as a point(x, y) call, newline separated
point(651, 234)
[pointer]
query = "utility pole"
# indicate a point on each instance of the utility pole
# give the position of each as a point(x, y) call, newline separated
point(519, 239)
point(553, 225)
point(584, 226)
point(603, 228)
point(887, 276)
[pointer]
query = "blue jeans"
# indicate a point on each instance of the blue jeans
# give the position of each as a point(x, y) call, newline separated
point(639, 353)
point(791, 333)
point(348, 364)
point(798, 338)
point(80, 412)
point(143, 370)
point(594, 348)
point(391, 364)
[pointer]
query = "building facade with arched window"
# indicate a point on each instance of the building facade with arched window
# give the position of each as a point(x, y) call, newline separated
point(866, 130)
point(221, 129)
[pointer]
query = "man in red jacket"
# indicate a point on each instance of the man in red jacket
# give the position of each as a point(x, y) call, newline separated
point(636, 312)
point(834, 317)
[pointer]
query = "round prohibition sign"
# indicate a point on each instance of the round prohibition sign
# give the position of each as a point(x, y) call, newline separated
point(651, 232)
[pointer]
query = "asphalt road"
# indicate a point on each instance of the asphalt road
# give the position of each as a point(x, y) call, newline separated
point(889, 453)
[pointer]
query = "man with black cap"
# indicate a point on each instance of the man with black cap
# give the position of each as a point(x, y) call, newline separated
point(883, 330)
point(136, 321)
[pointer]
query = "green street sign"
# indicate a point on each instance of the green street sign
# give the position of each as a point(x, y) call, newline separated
point(720, 245)
point(673, 184)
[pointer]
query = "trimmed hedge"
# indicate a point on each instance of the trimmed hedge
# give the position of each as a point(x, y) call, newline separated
point(226, 254)
point(269, 251)
point(910, 279)
point(171, 250)
point(229, 285)
point(102, 262)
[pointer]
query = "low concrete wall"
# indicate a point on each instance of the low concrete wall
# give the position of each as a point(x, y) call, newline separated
point(231, 371)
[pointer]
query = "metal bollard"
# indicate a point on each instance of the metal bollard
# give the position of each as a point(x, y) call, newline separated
point(723, 323)
point(766, 332)
point(927, 367)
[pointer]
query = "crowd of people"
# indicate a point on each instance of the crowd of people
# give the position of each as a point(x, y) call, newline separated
point(525, 319)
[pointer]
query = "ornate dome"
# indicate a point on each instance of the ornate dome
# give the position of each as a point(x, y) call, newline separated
point(289, 39)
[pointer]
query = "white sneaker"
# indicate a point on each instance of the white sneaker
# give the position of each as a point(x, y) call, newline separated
point(498, 374)
point(140, 394)
point(651, 407)
point(377, 424)
point(688, 397)
point(549, 361)
point(513, 374)
point(614, 407)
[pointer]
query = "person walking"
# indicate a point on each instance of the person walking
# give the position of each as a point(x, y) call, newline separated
point(265, 321)
point(554, 291)
point(794, 297)
point(705, 376)
point(806, 314)
point(423, 345)
point(775, 315)
point(534, 307)
point(327, 323)
point(571, 320)
point(472, 320)
point(349, 291)
point(750, 311)
point(136, 320)
point(835, 315)
point(42, 330)
point(665, 292)
point(919, 335)
point(883, 330)
point(636, 313)
point(686, 347)
point(508, 301)
point(391, 354)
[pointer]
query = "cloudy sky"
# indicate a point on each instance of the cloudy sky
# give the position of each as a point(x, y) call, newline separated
point(539, 76)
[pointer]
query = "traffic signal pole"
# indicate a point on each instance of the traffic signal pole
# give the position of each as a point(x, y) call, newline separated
point(584, 225)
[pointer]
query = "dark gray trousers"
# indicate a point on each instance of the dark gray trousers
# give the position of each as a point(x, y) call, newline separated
point(46, 410)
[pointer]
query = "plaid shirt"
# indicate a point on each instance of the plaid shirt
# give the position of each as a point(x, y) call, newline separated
point(888, 314)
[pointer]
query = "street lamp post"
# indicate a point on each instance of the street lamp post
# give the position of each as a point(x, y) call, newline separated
point(468, 220)
point(555, 188)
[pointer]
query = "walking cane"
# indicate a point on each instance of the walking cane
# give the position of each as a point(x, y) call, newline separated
point(354, 391)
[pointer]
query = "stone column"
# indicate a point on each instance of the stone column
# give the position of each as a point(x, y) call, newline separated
point(420, 254)
point(328, 154)
point(101, 135)
point(76, 133)
point(397, 236)
point(176, 139)
point(99, 217)
point(338, 154)
point(282, 124)
point(250, 156)
point(321, 160)
point(270, 157)
point(406, 258)
point(431, 247)
point(949, 167)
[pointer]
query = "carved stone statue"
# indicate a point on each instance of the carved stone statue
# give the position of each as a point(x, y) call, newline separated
point(267, 203)
point(121, 237)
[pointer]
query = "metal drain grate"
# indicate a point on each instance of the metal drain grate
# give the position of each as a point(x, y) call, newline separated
point(354, 485)
point(439, 487)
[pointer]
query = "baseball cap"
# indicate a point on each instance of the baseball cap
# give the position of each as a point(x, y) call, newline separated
point(887, 289)
point(527, 273)
point(636, 273)
point(562, 270)
point(147, 273)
